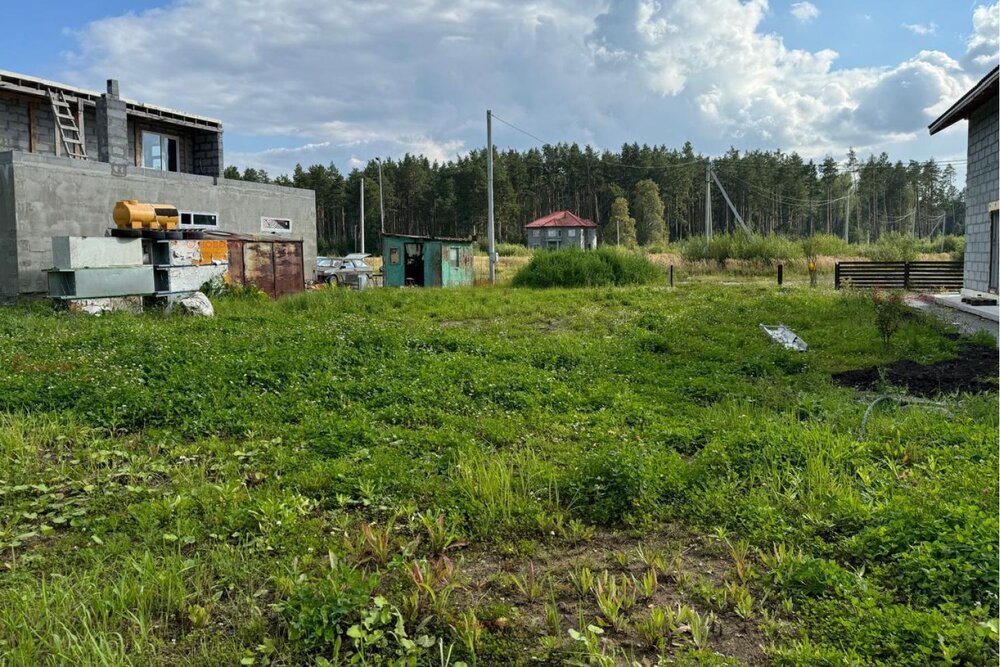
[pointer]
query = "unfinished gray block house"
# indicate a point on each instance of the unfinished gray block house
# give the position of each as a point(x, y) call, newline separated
point(982, 181)
point(561, 229)
point(67, 155)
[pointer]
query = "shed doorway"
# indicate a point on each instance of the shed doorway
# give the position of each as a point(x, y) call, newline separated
point(413, 264)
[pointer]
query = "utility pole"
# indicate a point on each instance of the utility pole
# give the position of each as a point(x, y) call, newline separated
point(847, 218)
point(490, 229)
point(362, 216)
point(708, 202)
point(381, 202)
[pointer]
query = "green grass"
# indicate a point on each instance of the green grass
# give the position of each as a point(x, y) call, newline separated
point(603, 267)
point(343, 473)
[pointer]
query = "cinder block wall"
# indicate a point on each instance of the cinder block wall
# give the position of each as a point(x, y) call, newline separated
point(15, 126)
point(42, 197)
point(8, 234)
point(982, 185)
point(565, 240)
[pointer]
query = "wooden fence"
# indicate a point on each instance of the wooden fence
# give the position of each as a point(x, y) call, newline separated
point(900, 275)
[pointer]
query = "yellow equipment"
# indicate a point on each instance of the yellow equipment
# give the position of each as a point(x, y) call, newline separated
point(132, 214)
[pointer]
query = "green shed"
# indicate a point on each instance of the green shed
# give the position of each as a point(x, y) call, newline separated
point(426, 261)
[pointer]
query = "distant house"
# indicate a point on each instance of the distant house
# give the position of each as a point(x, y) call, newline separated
point(561, 229)
point(982, 183)
point(427, 261)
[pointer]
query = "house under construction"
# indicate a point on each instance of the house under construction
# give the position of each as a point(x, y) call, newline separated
point(67, 155)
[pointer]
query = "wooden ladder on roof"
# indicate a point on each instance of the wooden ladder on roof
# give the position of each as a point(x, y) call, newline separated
point(66, 127)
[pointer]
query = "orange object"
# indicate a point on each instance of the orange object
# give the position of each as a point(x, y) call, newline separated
point(132, 214)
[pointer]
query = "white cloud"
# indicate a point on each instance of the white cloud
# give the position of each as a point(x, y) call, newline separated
point(301, 81)
point(805, 11)
point(983, 49)
point(921, 29)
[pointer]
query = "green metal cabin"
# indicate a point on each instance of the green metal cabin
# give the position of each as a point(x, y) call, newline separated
point(426, 261)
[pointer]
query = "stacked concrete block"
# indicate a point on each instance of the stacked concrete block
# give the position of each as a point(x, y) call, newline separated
point(112, 127)
point(208, 154)
point(78, 252)
point(982, 185)
point(15, 127)
point(98, 267)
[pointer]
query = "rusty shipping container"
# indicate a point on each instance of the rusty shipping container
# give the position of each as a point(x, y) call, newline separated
point(274, 266)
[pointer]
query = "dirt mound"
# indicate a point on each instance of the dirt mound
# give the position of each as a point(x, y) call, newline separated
point(974, 369)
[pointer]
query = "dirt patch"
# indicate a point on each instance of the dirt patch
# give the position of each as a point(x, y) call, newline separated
point(694, 564)
point(973, 370)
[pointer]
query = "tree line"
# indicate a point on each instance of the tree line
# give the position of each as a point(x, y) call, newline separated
point(661, 189)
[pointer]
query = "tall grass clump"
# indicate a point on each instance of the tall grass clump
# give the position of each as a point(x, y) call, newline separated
point(892, 247)
point(764, 249)
point(825, 245)
point(577, 268)
point(513, 250)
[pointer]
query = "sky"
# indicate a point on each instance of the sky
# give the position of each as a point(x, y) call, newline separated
point(344, 81)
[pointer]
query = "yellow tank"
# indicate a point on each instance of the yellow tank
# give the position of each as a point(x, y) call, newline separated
point(132, 214)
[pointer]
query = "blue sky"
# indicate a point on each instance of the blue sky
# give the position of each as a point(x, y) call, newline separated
point(301, 81)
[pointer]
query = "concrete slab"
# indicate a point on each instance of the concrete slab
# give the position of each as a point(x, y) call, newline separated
point(955, 301)
point(967, 323)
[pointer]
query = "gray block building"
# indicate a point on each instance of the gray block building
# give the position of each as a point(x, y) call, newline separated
point(561, 229)
point(982, 186)
point(67, 155)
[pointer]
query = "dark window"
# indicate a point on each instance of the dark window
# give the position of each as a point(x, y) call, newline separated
point(190, 219)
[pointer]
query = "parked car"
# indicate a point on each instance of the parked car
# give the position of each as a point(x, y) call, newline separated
point(350, 270)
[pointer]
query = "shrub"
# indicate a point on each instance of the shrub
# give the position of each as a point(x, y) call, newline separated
point(577, 268)
point(890, 311)
point(767, 249)
point(825, 245)
point(891, 247)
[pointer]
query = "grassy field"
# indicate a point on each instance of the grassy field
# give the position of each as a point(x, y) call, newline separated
point(489, 477)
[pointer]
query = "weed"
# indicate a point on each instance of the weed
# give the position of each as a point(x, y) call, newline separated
point(646, 585)
point(468, 631)
point(656, 629)
point(553, 619)
point(582, 579)
point(530, 584)
point(440, 537)
point(615, 598)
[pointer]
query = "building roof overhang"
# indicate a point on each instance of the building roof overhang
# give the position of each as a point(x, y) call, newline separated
point(983, 92)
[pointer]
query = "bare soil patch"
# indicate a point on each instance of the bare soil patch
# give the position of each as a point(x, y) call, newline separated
point(973, 370)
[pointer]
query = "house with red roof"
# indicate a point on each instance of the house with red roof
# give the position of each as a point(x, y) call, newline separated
point(561, 229)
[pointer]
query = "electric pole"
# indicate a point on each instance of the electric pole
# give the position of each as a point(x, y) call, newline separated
point(381, 202)
point(362, 216)
point(490, 229)
point(708, 202)
point(847, 218)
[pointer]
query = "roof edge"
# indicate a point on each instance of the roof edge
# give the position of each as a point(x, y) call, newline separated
point(956, 111)
point(86, 93)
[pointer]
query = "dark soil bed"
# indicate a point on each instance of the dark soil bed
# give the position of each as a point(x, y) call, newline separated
point(974, 369)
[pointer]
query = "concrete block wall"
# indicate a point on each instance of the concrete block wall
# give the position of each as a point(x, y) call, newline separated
point(562, 234)
point(207, 159)
point(15, 130)
point(49, 196)
point(112, 134)
point(8, 234)
point(982, 188)
point(15, 125)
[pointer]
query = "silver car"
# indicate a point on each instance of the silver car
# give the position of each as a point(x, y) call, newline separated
point(350, 270)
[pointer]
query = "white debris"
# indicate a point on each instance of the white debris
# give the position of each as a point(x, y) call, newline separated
point(196, 304)
point(785, 336)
